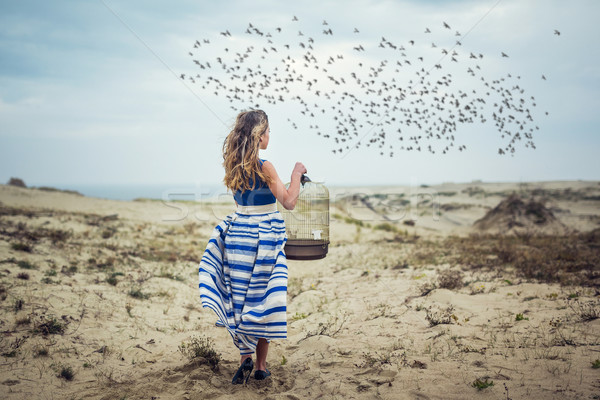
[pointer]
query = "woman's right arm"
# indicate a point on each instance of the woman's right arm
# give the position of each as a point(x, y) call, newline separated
point(287, 197)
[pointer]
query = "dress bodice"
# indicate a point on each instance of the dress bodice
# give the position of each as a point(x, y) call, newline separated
point(259, 196)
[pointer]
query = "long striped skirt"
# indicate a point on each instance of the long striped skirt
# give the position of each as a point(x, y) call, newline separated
point(243, 277)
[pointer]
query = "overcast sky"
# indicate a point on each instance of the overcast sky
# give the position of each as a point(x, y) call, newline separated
point(90, 92)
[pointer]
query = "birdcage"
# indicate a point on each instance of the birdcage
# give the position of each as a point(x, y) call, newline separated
point(307, 225)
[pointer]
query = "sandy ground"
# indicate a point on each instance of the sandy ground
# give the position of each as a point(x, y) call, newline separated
point(107, 290)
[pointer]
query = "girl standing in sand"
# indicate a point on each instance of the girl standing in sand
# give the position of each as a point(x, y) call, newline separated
point(243, 272)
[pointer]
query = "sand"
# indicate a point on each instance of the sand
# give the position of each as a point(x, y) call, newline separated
point(107, 290)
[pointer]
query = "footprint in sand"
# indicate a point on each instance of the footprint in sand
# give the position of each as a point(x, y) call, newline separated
point(174, 378)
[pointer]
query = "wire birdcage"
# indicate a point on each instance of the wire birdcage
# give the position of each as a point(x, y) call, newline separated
point(307, 225)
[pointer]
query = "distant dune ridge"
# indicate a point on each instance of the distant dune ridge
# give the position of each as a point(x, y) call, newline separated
point(514, 215)
point(18, 182)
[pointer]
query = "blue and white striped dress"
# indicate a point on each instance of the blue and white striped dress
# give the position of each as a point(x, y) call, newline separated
point(243, 275)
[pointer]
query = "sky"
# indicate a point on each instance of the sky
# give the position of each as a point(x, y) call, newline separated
point(91, 92)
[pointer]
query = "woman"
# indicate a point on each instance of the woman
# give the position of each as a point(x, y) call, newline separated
point(243, 272)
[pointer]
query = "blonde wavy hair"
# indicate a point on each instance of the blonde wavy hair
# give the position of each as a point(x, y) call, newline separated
point(240, 151)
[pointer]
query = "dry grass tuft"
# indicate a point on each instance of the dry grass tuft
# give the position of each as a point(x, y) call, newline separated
point(450, 279)
point(439, 317)
point(49, 325)
point(588, 311)
point(66, 373)
point(200, 349)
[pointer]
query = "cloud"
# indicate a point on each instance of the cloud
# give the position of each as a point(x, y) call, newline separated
point(92, 85)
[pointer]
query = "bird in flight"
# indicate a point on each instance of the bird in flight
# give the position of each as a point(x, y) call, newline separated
point(556, 32)
point(375, 95)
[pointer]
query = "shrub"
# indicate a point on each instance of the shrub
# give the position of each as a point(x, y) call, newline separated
point(386, 226)
point(201, 349)
point(138, 294)
point(371, 360)
point(41, 351)
point(350, 220)
point(70, 270)
point(450, 279)
point(520, 317)
point(66, 373)
point(18, 305)
point(440, 317)
point(21, 247)
point(17, 182)
point(26, 265)
point(49, 326)
point(480, 385)
point(588, 311)
point(23, 275)
point(57, 235)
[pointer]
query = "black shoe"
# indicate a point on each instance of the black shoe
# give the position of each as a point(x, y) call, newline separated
point(243, 372)
point(260, 375)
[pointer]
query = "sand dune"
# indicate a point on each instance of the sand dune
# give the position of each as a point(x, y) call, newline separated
point(412, 302)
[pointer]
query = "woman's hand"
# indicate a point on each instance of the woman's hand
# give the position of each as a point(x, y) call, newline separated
point(299, 170)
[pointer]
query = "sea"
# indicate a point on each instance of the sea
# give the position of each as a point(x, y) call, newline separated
point(167, 192)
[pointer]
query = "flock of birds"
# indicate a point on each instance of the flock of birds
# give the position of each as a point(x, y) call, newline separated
point(407, 96)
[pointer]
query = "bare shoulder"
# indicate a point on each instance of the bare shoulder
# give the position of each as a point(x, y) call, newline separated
point(268, 167)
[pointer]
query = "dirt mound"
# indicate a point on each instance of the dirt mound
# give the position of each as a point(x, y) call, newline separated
point(514, 215)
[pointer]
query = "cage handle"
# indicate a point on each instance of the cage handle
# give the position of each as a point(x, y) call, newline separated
point(304, 179)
